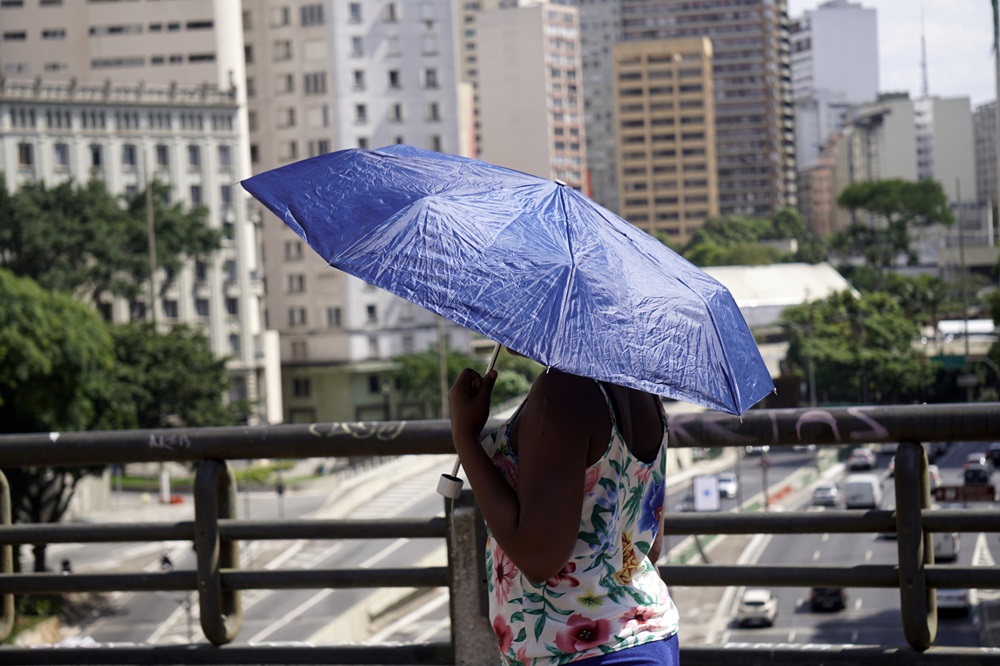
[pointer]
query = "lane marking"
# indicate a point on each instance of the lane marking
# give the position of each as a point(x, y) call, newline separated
point(868, 556)
point(815, 556)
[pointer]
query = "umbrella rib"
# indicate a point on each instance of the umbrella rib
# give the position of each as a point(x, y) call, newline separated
point(571, 278)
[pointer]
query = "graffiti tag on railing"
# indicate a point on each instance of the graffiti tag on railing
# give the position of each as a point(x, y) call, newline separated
point(360, 429)
point(169, 442)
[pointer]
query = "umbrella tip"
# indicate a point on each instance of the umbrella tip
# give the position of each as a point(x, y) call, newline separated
point(559, 182)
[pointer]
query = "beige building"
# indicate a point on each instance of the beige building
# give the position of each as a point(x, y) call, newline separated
point(530, 93)
point(162, 79)
point(667, 178)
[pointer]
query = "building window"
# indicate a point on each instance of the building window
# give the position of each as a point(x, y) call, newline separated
point(301, 388)
point(225, 158)
point(433, 112)
point(162, 156)
point(357, 46)
point(360, 113)
point(61, 155)
point(170, 309)
point(408, 346)
point(25, 155)
point(282, 50)
point(372, 346)
point(296, 317)
point(396, 113)
point(280, 16)
point(434, 142)
point(394, 79)
point(232, 307)
point(333, 318)
point(194, 157)
point(371, 314)
point(201, 307)
point(129, 156)
point(390, 13)
point(234, 344)
point(363, 143)
point(315, 83)
point(359, 79)
point(311, 14)
point(96, 156)
point(430, 78)
point(354, 9)
point(293, 250)
point(195, 197)
point(295, 283)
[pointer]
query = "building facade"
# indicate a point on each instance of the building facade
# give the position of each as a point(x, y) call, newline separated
point(829, 80)
point(531, 96)
point(325, 76)
point(984, 133)
point(665, 111)
point(125, 80)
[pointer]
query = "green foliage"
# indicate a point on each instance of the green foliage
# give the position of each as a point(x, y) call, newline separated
point(732, 241)
point(893, 208)
point(168, 379)
point(80, 239)
point(860, 349)
point(920, 297)
point(55, 354)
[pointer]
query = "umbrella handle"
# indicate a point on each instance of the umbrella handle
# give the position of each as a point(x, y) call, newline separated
point(449, 485)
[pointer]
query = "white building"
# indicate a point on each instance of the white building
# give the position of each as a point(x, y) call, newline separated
point(140, 66)
point(944, 144)
point(834, 69)
point(325, 76)
point(531, 94)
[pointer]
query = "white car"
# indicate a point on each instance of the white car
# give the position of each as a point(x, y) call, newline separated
point(955, 601)
point(757, 607)
point(728, 485)
point(826, 494)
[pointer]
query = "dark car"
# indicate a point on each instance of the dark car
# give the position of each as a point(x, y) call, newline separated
point(827, 599)
point(994, 453)
point(976, 475)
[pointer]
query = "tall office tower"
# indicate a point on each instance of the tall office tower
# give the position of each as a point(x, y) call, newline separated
point(945, 150)
point(325, 76)
point(198, 145)
point(834, 70)
point(984, 132)
point(755, 139)
point(666, 135)
point(531, 101)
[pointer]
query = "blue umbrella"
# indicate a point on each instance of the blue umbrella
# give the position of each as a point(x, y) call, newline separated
point(526, 262)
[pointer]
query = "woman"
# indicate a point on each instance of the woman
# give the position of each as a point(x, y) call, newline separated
point(572, 490)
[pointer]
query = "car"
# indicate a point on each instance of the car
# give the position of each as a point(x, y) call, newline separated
point(933, 476)
point(686, 503)
point(888, 447)
point(756, 450)
point(975, 474)
point(827, 599)
point(978, 458)
point(958, 601)
point(757, 607)
point(826, 494)
point(861, 458)
point(946, 546)
point(994, 452)
point(728, 486)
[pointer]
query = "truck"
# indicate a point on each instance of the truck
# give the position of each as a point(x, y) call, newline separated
point(862, 491)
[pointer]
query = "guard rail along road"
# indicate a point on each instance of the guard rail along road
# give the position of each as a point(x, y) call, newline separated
point(216, 535)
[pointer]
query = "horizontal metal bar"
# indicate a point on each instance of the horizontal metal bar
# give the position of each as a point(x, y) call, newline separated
point(961, 520)
point(790, 522)
point(429, 653)
point(719, 575)
point(38, 583)
point(956, 576)
point(405, 528)
point(844, 426)
point(842, 655)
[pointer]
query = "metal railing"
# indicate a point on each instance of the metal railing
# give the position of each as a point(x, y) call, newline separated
point(218, 580)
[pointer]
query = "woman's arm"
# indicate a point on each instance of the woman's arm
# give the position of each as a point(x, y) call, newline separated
point(537, 523)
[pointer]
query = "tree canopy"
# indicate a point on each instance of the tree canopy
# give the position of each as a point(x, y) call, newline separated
point(742, 241)
point(892, 209)
point(81, 239)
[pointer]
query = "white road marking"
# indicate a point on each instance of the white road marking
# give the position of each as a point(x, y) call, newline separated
point(868, 556)
point(815, 556)
point(981, 556)
point(857, 604)
point(825, 537)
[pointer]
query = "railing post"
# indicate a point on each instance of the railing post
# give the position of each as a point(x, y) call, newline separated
point(917, 602)
point(471, 635)
point(215, 498)
point(6, 561)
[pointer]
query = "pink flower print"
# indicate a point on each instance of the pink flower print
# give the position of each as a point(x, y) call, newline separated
point(644, 472)
point(505, 636)
point(638, 619)
point(522, 655)
point(507, 467)
point(590, 480)
point(504, 572)
point(582, 634)
point(564, 576)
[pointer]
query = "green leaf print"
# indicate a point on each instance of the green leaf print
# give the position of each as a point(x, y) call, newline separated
point(516, 617)
point(521, 635)
point(534, 597)
point(633, 503)
point(539, 626)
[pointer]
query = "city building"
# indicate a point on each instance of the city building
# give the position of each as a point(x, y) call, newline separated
point(829, 80)
point(531, 101)
point(325, 76)
point(115, 82)
point(668, 184)
point(984, 133)
point(754, 116)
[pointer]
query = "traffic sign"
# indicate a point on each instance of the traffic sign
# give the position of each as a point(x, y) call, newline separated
point(983, 493)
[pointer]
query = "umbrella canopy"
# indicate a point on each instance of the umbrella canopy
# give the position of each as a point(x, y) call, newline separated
point(527, 262)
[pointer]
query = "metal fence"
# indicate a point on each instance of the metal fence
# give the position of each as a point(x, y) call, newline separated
point(216, 534)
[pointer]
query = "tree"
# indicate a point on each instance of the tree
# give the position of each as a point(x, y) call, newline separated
point(892, 209)
point(55, 355)
point(730, 241)
point(83, 240)
point(861, 349)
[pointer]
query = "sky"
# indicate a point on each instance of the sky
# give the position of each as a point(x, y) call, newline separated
point(959, 46)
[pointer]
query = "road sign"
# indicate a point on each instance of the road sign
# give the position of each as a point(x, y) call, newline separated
point(983, 493)
point(706, 493)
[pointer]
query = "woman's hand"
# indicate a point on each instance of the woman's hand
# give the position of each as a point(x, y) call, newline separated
point(469, 400)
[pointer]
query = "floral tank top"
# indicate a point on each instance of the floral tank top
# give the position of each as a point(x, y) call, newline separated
point(608, 596)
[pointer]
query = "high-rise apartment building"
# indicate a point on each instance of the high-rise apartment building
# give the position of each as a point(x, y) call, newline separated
point(666, 135)
point(984, 133)
point(755, 140)
point(531, 98)
point(945, 150)
point(325, 75)
point(829, 78)
point(146, 58)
